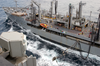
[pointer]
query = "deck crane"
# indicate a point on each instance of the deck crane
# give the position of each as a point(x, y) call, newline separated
point(56, 3)
point(80, 9)
point(39, 10)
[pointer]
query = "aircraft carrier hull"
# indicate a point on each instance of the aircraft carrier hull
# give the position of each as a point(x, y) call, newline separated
point(50, 36)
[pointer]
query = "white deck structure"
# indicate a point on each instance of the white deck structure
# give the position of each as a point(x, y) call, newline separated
point(14, 46)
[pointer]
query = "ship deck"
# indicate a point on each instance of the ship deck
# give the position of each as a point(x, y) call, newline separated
point(84, 33)
point(51, 25)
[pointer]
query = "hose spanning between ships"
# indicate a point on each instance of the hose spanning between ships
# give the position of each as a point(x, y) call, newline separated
point(81, 51)
point(54, 58)
point(93, 37)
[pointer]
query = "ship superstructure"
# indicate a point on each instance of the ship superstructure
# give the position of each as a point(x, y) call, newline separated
point(65, 30)
point(13, 47)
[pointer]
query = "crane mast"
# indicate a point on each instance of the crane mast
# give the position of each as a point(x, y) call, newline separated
point(39, 10)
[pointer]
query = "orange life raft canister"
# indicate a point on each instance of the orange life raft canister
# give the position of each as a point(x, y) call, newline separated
point(43, 25)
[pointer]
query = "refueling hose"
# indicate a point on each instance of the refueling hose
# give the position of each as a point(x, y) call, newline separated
point(92, 43)
point(93, 37)
point(81, 51)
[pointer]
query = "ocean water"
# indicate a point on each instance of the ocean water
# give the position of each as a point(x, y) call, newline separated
point(43, 49)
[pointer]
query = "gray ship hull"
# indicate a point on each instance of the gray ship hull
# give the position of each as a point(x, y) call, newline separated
point(56, 38)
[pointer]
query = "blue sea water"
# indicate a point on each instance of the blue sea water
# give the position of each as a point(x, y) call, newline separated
point(45, 50)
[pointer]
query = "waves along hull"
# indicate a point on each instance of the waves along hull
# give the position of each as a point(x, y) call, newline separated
point(68, 41)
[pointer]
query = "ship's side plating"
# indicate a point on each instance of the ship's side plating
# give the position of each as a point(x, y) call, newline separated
point(57, 38)
point(28, 21)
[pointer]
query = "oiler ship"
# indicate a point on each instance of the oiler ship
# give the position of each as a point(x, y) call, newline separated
point(75, 32)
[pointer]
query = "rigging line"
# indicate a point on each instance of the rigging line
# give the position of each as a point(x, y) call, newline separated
point(92, 42)
point(63, 54)
point(74, 45)
point(81, 51)
point(54, 58)
point(70, 47)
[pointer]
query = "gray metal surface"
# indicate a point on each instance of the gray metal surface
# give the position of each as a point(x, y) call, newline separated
point(57, 38)
point(4, 62)
point(69, 40)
